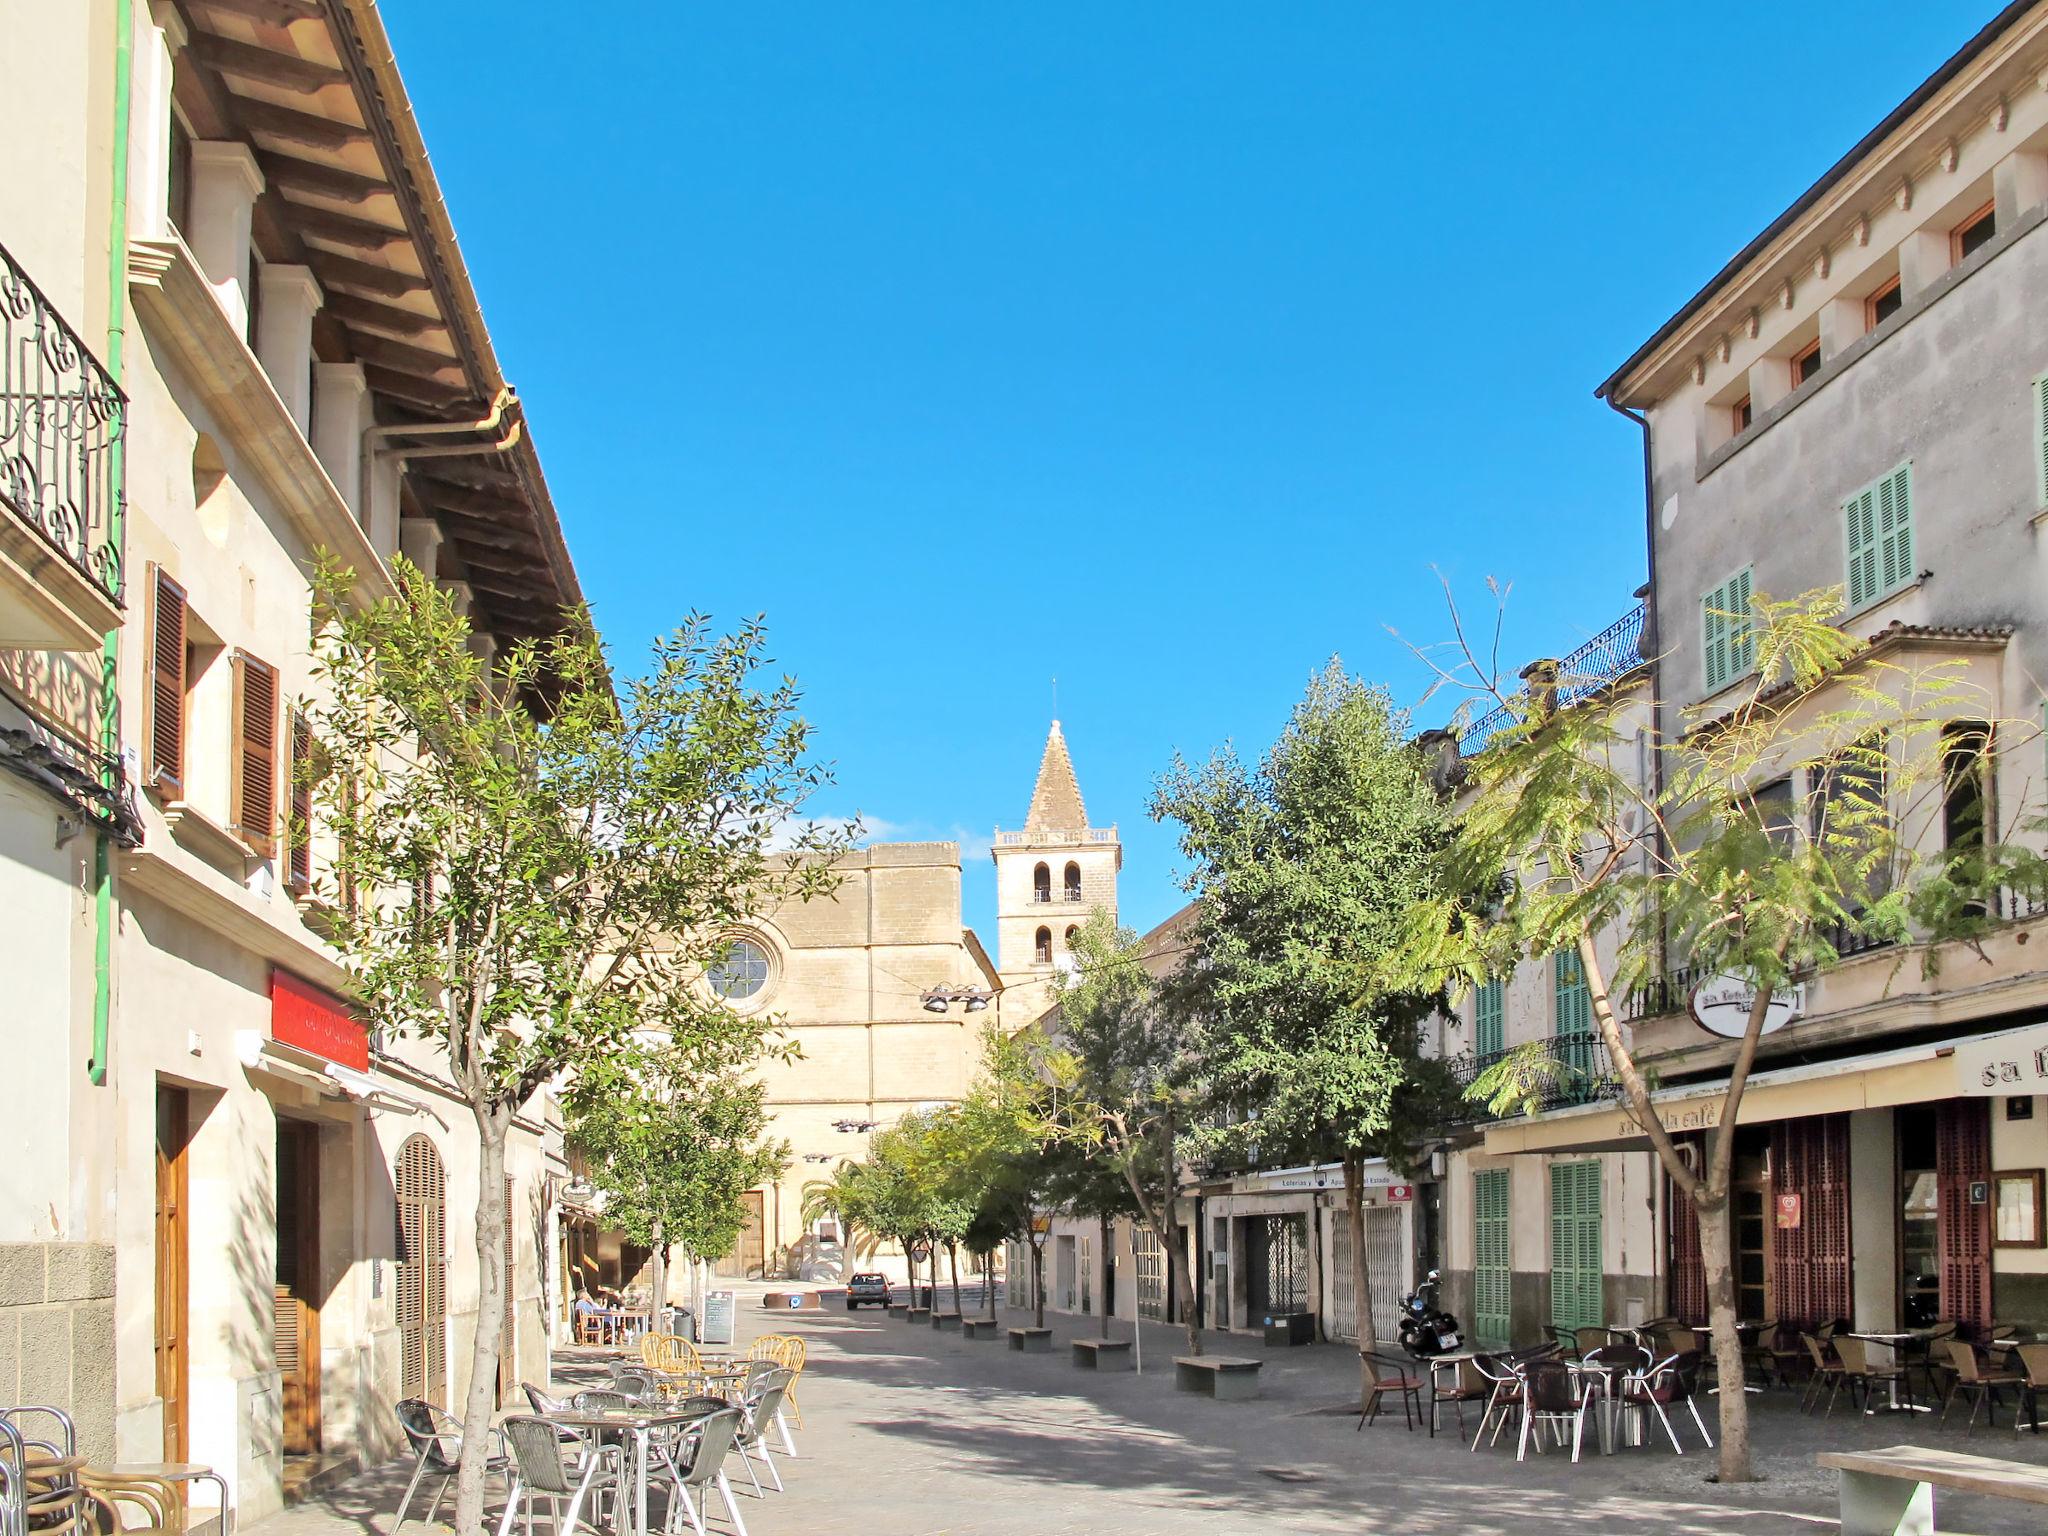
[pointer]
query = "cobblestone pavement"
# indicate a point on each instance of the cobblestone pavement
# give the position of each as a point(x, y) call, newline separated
point(909, 1432)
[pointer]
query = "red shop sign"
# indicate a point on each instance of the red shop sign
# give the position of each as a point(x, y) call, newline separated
point(304, 1016)
point(1788, 1211)
point(1396, 1193)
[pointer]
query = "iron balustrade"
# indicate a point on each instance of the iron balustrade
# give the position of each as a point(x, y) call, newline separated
point(60, 416)
point(1564, 1070)
point(1615, 652)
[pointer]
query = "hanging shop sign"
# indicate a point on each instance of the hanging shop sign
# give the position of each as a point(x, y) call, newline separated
point(317, 1021)
point(1721, 1006)
point(2005, 1064)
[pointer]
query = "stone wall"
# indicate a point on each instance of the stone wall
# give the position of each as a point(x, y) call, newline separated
point(57, 1335)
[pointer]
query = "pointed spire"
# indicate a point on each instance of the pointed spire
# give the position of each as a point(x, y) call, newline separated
point(1056, 802)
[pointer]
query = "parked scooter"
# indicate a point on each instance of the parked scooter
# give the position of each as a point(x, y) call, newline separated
point(1426, 1329)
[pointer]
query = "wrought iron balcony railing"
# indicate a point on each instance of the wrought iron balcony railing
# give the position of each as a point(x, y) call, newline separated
point(1562, 1071)
point(1616, 651)
point(60, 416)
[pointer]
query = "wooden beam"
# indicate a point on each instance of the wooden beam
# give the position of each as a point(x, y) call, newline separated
point(341, 228)
point(466, 501)
point(281, 12)
point(506, 562)
point(266, 117)
point(349, 273)
point(322, 180)
point(248, 62)
point(385, 317)
point(372, 348)
point(406, 386)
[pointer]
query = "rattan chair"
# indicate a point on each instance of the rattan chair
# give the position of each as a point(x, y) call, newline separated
point(670, 1352)
point(1826, 1374)
point(1672, 1381)
point(789, 1352)
point(2034, 1381)
point(1978, 1382)
point(1860, 1371)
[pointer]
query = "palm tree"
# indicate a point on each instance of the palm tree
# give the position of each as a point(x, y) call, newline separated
point(838, 1197)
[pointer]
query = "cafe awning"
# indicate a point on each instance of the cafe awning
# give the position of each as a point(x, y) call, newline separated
point(1917, 1074)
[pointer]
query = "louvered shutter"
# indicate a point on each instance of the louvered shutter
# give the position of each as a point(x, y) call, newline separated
point(165, 730)
point(1861, 517)
point(422, 1270)
point(1688, 1301)
point(299, 835)
point(1492, 1284)
point(1741, 628)
point(1572, 1018)
point(1962, 1154)
point(253, 816)
point(1727, 637)
point(1810, 1271)
point(1879, 532)
point(2041, 432)
point(1488, 1033)
point(1575, 1278)
point(1714, 640)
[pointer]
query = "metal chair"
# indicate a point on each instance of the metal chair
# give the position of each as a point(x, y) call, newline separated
point(1504, 1398)
point(1467, 1386)
point(715, 1437)
point(1670, 1382)
point(1386, 1376)
point(637, 1382)
point(1551, 1397)
point(1859, 1370)
point(1586, 1340)
point(1826, 1374)
point(791, 1353)
point(539, 1471)
point(1977, 1382)
point(436, 1439)
point(758, 1405)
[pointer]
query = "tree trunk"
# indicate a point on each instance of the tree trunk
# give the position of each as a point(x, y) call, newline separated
point(657, 1279)
point(1037, 1278)
point(953, 1264)
point(1361, 1282)
point(988, 1280)
point(1718, 1259)
point(492, 1123)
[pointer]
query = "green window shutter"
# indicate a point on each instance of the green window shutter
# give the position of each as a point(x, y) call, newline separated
point(2041, 432)
point(1488, 1035)
point(1492, 1284)
point(1575, 1275)
point(1879, 530)
point(1727, 638)
point(1574, 1002)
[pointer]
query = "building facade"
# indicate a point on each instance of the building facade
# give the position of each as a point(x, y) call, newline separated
point(239, 337)
point(1859, 399)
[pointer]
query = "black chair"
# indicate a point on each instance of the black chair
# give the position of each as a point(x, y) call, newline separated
point(1385, 1375)
point(1665, 1385)
point(436, 1440)
point(1551, 1397)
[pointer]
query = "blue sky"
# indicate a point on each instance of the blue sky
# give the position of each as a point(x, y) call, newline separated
point(1165, 348)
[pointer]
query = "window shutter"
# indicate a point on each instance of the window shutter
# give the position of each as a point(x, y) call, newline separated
point(1714, 639)
point(1741, 632)
point(1492, 1285)
point(299, 835)
point(1575, 1278)
point(253, 815)
point(1895, 526)
point(1487, 1032)
point(165, 733)
point(1727, 639)
point(2041, 432)
point(1861, 513)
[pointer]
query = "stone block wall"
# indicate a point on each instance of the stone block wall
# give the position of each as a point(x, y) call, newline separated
point(57, 1335)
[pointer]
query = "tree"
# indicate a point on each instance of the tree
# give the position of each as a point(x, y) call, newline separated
point(1012, 1157)
point(672, 1133)
point(1125, 1073)
point(531, 864)
point(1303, 871)
point(1799, 817)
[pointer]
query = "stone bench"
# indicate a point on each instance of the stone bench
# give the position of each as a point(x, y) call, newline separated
point(917, 1317)
point(1032, 1341)
point(899, 1309)
point(1227, 1378)
point(1102, 1354)
point(979, 1327)
point(1892, 1490)
point(945, 1319)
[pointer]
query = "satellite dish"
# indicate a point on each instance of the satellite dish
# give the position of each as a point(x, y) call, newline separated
point(1721, 1006)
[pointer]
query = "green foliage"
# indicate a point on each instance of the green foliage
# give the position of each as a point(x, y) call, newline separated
point(672, 1135)
point(1303, 869)
point(527, 887)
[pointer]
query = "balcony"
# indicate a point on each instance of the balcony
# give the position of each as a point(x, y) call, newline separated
point(1563, 1071)
point(1613, 653)
point(1041, 897)
point(60, 417)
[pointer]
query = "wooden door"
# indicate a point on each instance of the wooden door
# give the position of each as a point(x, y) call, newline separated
point(1810, 1271)
point(749, 1251)
point(1962, 1170)
point(173, 1367)
point(295, 1299)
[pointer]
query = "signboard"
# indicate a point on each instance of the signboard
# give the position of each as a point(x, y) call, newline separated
point(1999, 1065)
point(1721, 1006)
point(304, 1016)
point(1375, 1175)
point(1396, 1193)
point(1788, 1212)
point(718, 1318)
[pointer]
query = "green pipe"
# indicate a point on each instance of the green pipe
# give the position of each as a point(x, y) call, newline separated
point(117, 519)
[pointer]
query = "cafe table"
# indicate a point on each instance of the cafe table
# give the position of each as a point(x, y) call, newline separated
point(1894, 1344)
point(641, 1424)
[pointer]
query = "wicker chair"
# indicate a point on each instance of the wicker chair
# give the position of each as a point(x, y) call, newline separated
point(672, 1353)
point(1861, 1371)
point(1826, 1375)
point(1978, 1382)
point(2034, 1374)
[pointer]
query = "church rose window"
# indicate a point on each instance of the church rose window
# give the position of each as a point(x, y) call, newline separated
point(742, 973)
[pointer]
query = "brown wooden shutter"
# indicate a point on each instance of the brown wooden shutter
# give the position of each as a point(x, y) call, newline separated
point(1688, 1301)
point(1962, 1157)
point(1810, 1262)
point(254, 807)
point(299, 835)
point(164, 730)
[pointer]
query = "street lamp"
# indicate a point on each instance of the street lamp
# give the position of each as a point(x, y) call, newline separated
point(971, 999)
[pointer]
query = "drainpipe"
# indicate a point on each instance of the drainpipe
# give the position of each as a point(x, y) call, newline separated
point(110, 651)
point(1652, 643)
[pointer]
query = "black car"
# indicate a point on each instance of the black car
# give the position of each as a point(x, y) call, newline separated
point(866, 1290)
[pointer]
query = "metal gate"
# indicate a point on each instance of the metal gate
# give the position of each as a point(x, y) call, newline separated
point(1382, 1269)
point(1279, 1260)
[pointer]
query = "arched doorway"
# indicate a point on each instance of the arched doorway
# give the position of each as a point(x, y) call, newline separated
point(422, 1270)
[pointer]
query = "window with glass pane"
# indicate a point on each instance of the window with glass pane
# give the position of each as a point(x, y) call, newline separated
point(740, 973)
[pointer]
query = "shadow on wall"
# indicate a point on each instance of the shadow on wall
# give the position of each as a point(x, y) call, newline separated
point(816, 1259)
